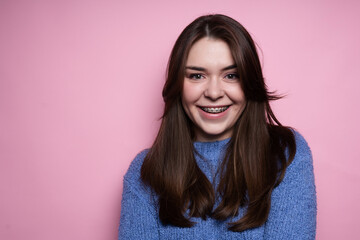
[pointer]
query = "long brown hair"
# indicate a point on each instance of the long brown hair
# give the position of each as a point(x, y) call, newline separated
point(255, 160)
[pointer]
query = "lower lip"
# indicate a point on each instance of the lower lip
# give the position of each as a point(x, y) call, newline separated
point(213, 116)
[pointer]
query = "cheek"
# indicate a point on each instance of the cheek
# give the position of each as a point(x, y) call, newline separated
point(186, 98)
point(190, 94)
point(237, 95)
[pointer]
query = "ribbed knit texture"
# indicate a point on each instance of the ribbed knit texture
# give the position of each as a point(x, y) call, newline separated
point(292, 214)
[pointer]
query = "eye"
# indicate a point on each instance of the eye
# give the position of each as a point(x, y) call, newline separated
point(195, 76)
point(232, 76)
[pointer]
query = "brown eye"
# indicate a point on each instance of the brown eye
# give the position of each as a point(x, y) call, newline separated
point(195, 76)
point(232, 76)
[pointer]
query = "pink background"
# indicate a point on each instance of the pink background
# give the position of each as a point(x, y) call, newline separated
point(80, 96)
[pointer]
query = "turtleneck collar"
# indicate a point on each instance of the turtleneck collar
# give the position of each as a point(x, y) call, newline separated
point(212, 151)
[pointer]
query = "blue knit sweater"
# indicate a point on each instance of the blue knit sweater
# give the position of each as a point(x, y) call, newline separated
point(292, 214)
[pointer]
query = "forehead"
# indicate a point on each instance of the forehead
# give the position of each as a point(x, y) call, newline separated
point(210, 52)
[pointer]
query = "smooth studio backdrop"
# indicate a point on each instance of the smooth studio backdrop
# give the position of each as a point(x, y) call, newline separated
point(80, 96)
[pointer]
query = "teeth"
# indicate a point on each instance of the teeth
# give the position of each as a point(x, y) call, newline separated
point(215, 110)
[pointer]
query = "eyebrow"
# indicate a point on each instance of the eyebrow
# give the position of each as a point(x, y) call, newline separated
point(204, 69)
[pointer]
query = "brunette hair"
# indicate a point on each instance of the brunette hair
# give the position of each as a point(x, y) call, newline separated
point(257, 155)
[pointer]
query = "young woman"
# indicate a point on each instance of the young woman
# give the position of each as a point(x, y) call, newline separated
point(222, 166)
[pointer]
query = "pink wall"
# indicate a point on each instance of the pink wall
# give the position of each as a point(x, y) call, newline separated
point(80, 95)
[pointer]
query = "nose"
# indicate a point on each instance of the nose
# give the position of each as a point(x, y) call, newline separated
point(214, 89)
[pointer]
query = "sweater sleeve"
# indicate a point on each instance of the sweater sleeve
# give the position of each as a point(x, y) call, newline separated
point(293, 204)
point(138, 217)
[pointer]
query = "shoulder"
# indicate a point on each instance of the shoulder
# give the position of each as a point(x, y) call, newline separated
point(303, 153)
point(299, 181)
point(133, 174)
point(300, 173)
point(293, 202)
point(302, 146)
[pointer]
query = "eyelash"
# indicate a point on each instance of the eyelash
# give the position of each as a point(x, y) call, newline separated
point(197, 76)
point(234, 76)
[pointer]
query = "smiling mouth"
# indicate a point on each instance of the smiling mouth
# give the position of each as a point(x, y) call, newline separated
point(214, 110)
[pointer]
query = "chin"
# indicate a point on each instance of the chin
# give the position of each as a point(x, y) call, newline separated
point(213, 134)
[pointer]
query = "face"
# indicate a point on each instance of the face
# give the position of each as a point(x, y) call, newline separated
point(212, 95)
